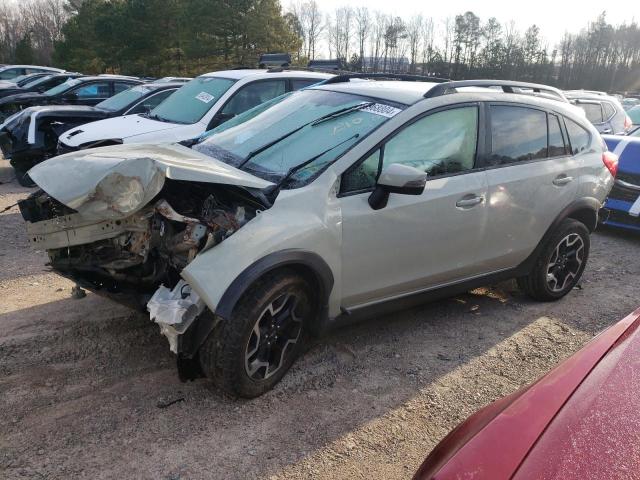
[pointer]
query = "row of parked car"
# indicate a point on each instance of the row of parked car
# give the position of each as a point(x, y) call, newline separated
point(251, 209)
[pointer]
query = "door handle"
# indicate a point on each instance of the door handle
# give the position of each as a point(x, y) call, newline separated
point(469, 201)
point(562, 180)
point(607, 131)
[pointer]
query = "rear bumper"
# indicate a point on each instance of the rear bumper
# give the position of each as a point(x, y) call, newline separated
point(618, 217)
point(619, 210)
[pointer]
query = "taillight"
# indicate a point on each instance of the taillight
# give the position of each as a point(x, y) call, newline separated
point(610, 161)
point(627, 123)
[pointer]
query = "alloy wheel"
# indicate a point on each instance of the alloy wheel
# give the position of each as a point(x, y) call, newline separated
point(273, 335)
point(565, 262)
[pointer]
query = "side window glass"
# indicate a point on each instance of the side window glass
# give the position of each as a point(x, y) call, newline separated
point(578, 137)
point(94, 90)
point(593, 112)
point(518, 134)
point(363, 176)
point(252, 95)
point(150, 103)
point(556, 139)
point(438, 144)
point(121, 87)
point(297, 84)
point(9, 73)
point(609, 111)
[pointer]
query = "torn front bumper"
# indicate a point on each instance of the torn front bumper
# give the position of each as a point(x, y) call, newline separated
point(72, 230)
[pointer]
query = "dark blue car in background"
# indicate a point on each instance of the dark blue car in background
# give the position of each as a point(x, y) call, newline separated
point(622, 207)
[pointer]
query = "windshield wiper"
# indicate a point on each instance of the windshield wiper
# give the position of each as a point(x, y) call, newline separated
point(154, 117)
point(341, 112)
point(328, 116)
point(276, 188)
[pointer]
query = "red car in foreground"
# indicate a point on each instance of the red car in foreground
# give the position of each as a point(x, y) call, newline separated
point(580, 421)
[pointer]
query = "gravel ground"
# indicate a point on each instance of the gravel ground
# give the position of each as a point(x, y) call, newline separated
point(88, 389)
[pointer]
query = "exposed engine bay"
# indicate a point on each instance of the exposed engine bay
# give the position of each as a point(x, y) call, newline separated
point(132, 258)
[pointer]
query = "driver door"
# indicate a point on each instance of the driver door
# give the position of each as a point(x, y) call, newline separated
point(422, 241)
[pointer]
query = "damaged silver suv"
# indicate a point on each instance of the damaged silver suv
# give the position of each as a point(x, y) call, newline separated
point(325, 205)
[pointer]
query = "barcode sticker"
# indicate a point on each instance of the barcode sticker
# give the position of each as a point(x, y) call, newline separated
point(205, 97)
point(382, 109)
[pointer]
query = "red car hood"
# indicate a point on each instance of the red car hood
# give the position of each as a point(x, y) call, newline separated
point(562, 426)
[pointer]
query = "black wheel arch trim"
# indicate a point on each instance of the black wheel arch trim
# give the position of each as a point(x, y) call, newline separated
point(290, 257)
point(575, 210)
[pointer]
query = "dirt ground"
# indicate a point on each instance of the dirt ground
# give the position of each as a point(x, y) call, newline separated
point(86, 386)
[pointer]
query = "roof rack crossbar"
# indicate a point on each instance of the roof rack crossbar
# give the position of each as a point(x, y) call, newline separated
point(506, 85)
point(346, 77)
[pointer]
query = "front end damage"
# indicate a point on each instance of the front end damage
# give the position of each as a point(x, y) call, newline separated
point(119, 243)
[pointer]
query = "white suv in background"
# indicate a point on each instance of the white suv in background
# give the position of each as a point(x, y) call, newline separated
point(340, 200)
point(200, 105)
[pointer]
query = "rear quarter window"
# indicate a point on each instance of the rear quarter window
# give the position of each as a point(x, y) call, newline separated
point(579, 137)
point(609, 110)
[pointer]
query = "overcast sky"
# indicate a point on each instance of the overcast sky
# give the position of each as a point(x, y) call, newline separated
point(554, 17)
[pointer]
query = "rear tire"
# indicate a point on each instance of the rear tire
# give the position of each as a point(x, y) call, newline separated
point(249, 354)
point(560, 264)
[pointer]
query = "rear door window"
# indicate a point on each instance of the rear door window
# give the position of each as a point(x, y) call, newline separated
point(518, 134)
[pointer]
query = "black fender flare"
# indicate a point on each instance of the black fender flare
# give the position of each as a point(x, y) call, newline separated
point(189, 343)
point(577, 210)
point(312, 262)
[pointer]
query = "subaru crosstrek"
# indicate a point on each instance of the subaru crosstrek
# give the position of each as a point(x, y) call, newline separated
point(325, 205)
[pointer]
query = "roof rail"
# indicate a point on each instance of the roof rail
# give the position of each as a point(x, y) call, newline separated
point(590, 92)
point(507, 86)
point(346, 77)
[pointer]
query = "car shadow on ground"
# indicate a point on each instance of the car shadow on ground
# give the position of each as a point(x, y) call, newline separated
point(90, 372)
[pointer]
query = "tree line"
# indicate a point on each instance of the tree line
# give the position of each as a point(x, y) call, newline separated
point(187, 37)
point(600, 56)
point(146, 37)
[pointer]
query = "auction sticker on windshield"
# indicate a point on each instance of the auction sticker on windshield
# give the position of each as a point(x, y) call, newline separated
point(381, 109)
point(72, 81)
point(205, 97)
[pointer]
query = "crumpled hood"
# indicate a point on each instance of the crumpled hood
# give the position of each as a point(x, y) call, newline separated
point(117, 127)
point(116, 181)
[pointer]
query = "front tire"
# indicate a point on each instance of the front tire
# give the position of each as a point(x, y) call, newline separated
point(249, 354)
point(560, 263)
point(24, 179)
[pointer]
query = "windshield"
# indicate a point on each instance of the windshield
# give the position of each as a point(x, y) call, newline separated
point(124, 99)
point(634, 115)
point(307, 130)
point(63, 87)
point(36, 81)
point(191, 101)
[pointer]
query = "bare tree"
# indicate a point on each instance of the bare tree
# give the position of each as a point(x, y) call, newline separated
point(414, 37)
point(363, 30)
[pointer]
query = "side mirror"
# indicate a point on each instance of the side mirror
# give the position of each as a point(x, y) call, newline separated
point(397, 178)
